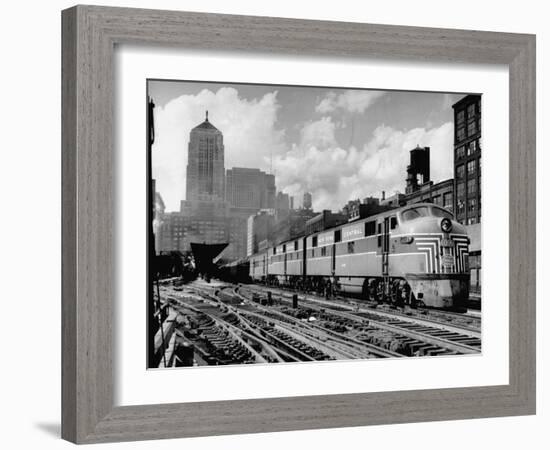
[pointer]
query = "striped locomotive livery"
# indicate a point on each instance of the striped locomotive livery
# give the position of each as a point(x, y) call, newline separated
point(416, 254)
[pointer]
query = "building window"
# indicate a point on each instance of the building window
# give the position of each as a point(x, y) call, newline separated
point(448, 200)
point(460, 171)
point(460, 117)
point(460, 152)
point(460, 191)
point(471, 168)
point(460, 134)
point(460, 207)
point(472, 147)
point(479, 170)
point(472, 128)
point(351, 247)
point(471, 110)
point(472, 186)
point(472, 205)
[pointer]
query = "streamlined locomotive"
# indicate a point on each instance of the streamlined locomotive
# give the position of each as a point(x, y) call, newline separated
point(417, 254)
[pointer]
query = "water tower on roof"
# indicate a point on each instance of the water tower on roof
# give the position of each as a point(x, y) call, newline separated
point(418, 171)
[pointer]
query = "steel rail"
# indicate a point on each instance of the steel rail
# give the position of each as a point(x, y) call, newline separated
point(403, 331)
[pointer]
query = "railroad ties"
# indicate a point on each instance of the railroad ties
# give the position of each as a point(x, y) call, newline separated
point(223, 324)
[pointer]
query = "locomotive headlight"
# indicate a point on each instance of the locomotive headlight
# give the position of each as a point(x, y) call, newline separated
point(446, 225)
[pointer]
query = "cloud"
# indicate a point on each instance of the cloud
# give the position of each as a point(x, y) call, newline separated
point(352, 101)
point(248, 127)
point(335, 175)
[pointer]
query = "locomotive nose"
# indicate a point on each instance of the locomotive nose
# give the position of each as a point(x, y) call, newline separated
point(446, 225)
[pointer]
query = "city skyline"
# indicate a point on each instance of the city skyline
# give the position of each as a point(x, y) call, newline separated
point(335, 143)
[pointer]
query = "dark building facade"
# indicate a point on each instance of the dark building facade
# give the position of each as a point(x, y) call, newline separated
point(419, 186)
point(250, 188)
point(259, 228)
point(438, 193)
point(291, 225)
point(357, 209)
point(324, 220)
point(395, 201)
point(467, 159)
point(467, 167)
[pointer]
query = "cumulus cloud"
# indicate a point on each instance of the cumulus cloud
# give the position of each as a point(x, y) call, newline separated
point(335, 175)
point(248, 127)
point(316, 162)
point(351, 101)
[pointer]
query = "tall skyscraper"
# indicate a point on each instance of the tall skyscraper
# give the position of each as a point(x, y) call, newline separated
point(307, 200)
point(205, 164)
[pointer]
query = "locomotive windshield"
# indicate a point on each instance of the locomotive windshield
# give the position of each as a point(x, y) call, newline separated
point(424, 211)
point(440, 212)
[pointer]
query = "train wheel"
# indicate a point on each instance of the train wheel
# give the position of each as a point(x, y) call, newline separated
point(374, 291)
point(409, 295)
point(365, 291)
point(396, 293)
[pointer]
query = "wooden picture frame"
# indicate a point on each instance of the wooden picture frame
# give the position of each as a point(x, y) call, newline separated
point(89, 36)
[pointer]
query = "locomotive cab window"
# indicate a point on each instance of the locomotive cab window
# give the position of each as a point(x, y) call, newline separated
point(415, 213)
point(351, 247)
point(370, 228)
point(439, 212)
point(337, 235)
point(424, 211)
point(314, 241)
point(295, 245)
point(393, 222)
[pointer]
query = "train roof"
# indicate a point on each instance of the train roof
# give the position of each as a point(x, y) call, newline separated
point(374, 217)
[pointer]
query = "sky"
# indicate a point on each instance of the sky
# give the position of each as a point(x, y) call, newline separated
point(336, 143)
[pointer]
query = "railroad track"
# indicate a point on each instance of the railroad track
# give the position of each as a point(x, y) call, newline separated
point(337, 342)
point(469, 330)
point(334, 344)
point(348, 331)
point(427, 336)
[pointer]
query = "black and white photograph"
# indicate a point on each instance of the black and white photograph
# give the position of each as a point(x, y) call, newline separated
point(295, 224)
